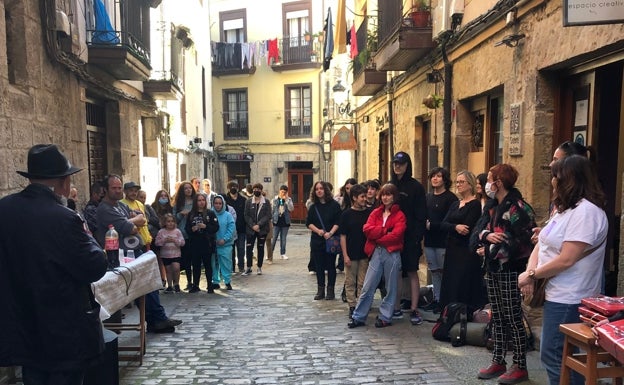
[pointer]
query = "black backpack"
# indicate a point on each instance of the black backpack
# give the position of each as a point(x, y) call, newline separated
point(453, 313)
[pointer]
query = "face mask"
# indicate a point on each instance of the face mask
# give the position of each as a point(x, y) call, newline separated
point(163, 201)
point(233, 190)
point(488, 190)
point(257, 193)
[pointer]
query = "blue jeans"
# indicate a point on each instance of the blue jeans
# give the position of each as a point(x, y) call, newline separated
point(386, 264)
point(551, 345)
point(282, 232)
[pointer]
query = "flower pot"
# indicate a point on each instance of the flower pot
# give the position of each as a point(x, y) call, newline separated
point(421, 18)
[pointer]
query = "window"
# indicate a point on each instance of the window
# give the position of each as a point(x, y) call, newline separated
point(495, 120)
point(298, 111)
point(235, 120)
point(233, 26)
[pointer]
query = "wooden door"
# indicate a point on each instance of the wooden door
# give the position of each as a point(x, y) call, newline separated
point(300, 183)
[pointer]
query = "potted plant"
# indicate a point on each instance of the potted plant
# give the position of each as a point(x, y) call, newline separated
point(421, 13)
point(313, 55)
point(307, 36)
point(433, 101)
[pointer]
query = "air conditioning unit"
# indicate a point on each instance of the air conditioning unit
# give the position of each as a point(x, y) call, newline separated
point(456, 9)
point(456, 13)
point(440, 18)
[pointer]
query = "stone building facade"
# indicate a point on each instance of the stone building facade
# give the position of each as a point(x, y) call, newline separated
point(516, 83)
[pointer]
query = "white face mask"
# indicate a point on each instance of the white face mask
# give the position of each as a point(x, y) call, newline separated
point(488, 190)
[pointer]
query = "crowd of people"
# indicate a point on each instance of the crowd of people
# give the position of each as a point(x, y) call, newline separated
point(481, 243)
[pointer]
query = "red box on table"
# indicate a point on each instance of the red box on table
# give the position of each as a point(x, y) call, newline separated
point(604, 305)
point(611, 339)
point(590, 316)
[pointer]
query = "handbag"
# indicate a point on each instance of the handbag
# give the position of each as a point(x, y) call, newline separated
point(332, 245)
point(539, 293)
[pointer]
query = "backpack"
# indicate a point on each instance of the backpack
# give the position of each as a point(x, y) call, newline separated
point(453, 313)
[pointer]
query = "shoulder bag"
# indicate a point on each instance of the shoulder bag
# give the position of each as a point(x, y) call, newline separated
point(332, 245)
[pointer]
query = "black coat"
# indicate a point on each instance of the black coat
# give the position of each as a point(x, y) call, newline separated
point(50, 319)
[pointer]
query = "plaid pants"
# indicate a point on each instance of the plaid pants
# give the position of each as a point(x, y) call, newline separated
point(504, 296)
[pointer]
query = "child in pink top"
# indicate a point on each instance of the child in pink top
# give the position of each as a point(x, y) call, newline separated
point(170, 240)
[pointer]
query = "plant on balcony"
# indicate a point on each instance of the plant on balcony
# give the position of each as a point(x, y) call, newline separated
point(365, 56)
point(433, 101)
point(421, 13)
point(307, 36)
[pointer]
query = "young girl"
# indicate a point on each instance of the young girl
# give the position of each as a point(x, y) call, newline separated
point(384, 232)
point(224, 240)
point(201, 226)
point(170, 240)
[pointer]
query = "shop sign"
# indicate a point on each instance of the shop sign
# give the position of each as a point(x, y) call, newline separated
point(586, 12)
point(236, 157)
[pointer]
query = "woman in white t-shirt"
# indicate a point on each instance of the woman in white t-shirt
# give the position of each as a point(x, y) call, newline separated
point(570, 252)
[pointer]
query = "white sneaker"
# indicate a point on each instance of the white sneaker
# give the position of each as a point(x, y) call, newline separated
point(284, 256)
point(269, 261)
point(312, 272)
point(259, 271)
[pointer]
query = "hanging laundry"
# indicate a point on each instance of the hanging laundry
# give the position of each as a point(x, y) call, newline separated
point(104, 32)
point(353, 52)
point(273, 51)
point(329, 40)
point(341, 29)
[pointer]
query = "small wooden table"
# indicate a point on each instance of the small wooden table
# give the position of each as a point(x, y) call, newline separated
point(122, 286)
point(580, 335)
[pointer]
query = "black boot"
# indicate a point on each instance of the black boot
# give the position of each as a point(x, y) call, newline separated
point(330, 293)
point(320, 294)
point(343, 295)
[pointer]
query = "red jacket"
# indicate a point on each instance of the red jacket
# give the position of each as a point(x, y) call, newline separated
point(390, 235)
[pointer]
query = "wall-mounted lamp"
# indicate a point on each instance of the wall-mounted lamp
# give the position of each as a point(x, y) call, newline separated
point(280, 169)
point(315, 170)
point(341, 98)
point(511, 40)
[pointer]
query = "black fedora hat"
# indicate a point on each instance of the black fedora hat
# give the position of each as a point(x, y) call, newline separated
point(45, 161)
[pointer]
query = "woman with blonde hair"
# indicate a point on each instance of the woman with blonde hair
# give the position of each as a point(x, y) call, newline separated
point(462, 280)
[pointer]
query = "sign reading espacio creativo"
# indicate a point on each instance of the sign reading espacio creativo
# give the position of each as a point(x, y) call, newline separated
point(586, 12)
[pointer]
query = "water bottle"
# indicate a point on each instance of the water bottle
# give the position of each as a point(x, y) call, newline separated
point(130, 255)
point(111, 246)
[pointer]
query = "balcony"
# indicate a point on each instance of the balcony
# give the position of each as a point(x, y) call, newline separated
point(120, 46)
point(296, 125)
point(367, 81)
point(166, 82)
point(401, 43)
point(227, 60)
point(164, 85)
point(295, 53)
point(236, 129)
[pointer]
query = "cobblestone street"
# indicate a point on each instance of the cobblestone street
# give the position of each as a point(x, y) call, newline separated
point(269, 330)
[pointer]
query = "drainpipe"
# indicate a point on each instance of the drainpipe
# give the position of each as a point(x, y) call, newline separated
point(448, 98)
point(389, 97)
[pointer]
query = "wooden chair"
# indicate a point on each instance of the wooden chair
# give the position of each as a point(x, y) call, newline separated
point(139, 350)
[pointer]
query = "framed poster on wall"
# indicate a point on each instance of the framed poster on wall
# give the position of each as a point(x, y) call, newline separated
point(581, 114)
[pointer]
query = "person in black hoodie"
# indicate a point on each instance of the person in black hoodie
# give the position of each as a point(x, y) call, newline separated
point(413, 203)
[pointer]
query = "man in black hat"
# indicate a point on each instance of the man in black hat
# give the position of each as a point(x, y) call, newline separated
point(50, 322)
point(413, 203)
